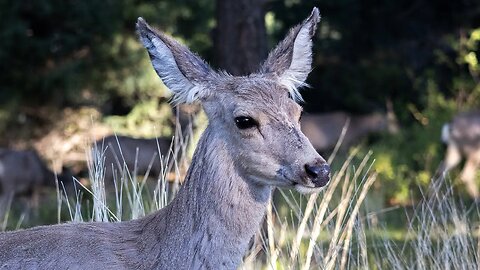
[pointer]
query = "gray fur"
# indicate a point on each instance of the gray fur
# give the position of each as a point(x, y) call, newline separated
point(218, 209)
point(462, 136)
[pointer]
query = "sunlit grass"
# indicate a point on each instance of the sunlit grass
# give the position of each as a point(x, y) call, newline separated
point(329, 230)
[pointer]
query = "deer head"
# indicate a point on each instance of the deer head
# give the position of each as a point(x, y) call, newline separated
point(257, 115)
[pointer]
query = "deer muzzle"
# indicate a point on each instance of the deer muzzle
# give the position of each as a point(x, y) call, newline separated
point(319, 174)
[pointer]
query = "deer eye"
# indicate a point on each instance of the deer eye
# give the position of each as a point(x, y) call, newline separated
point(244, 122)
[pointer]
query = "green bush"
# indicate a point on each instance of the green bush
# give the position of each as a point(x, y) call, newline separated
point(411, 158)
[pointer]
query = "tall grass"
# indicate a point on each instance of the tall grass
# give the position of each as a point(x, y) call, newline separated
point(129, 196)
point(332, 232)
point(329, 230)
point(442, 233)
point(296, 242)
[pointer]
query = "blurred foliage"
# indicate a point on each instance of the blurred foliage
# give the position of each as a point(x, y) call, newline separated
point(423, 55)
point(143, 120)
point(86, 52)
point(411, 158)
point(370, 50)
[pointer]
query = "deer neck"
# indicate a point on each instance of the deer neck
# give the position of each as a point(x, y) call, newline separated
point(215, 213)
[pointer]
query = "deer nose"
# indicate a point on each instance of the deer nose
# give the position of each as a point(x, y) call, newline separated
point(318, 174)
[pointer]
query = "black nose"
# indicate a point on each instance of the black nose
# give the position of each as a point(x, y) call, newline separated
point(319, 174)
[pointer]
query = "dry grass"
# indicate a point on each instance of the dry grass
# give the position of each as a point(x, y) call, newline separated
point(330, 230)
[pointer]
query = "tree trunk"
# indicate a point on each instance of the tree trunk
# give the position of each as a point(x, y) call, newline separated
point(240, 38)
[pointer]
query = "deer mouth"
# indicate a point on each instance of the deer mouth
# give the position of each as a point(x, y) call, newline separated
point(302, 185)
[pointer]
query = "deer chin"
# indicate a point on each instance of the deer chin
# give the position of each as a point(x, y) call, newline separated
point(307, 189)
point(283, 181)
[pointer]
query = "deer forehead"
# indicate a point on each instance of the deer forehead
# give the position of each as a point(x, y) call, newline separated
point(258, 95)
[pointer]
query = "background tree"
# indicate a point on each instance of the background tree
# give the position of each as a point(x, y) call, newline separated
point(240, 38)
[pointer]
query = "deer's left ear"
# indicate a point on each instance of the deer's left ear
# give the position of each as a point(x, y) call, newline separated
point(291, 60)
point(181, 70)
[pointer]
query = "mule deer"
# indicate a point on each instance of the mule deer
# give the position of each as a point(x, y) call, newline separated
point(24, 172)
point(462, 136)
point(324, 130)
point(140, 156)
point(252, 143)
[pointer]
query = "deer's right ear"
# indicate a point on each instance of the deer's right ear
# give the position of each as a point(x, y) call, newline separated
point(182, 71)
point(291, 60)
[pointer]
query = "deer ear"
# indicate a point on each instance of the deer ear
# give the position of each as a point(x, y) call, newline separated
point(291, 60)
point(182, 71)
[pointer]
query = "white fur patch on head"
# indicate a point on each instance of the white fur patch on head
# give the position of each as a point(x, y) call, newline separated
point(292, 88)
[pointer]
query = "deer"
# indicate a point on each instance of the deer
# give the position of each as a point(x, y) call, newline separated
point(252, 144)
point(138, 155)
point(462, 137)
point(23, 172)
point(324, 130)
